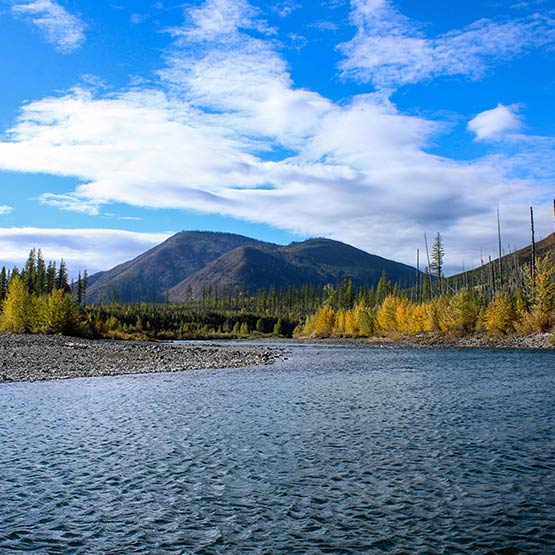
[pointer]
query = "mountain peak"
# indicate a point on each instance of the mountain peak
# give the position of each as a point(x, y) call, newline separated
point(189, 260)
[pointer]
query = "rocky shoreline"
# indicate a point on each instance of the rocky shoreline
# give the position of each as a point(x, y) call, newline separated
point(532, 341)
point(439, 341)
point(28, 358)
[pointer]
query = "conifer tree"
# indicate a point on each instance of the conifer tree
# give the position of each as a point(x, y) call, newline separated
point(383, 289)
point(28, 274)
point(436, 266)
point(85, 285)
point(3, 283)
point(62, 277)
point(40, 286)
point(51, 274)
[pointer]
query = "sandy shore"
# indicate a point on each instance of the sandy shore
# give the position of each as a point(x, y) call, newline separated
point(25, 358)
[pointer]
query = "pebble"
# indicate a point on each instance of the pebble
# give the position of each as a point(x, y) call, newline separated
point(27, 358)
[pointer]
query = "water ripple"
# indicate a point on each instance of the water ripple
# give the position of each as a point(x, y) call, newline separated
point(336, 450)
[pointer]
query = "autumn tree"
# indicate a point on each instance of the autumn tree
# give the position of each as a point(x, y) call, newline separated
point(58, 313)
point(17, 309)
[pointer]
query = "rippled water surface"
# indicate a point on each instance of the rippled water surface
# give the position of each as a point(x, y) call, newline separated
point(334, 450)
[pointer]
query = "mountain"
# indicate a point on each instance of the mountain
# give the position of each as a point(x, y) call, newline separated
point(316, 261)
point(184, 264)
point(147, 277)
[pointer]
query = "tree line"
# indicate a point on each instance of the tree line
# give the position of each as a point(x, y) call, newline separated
point(40, 298)
point(525, 305)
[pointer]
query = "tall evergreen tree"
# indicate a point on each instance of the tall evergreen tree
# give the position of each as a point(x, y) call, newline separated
point(383, 289)
point(438, 252)
point(51, 274)
point(28, 274)
point(3, 283)
point(40, 283)
point(62, 281)
point(436, 266)
point(85, 285)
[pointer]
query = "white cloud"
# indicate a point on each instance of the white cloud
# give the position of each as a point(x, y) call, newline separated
point(61, 28)
point(389, 50)
point(494, 123)
point(357, 171)
point(286, 7)
point(90, 249)
point(137, 18)
point(4, 209)
point(69, 203)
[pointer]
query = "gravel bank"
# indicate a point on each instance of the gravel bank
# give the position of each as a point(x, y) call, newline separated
point(438, 341)
point(26, 358)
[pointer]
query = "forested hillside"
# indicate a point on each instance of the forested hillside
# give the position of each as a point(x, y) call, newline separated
point(195, 265)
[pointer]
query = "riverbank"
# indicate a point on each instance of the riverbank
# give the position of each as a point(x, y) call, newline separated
point(27, 358)
point(437, 340)
point(532, 341)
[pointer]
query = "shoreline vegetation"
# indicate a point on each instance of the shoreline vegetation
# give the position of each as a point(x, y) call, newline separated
point(500, 313)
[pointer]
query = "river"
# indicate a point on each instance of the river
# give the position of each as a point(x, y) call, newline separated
point(333, 449)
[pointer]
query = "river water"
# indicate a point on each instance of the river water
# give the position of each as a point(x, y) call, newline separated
point(337, 449)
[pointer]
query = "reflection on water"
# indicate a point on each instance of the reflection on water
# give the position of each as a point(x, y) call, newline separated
point(334, 450)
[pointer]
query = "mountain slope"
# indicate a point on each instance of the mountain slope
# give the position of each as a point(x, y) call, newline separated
point(149, 275)
point(316, 261)
point(509, 264)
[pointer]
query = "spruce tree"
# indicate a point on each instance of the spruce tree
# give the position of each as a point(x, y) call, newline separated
point(40, 281)
point(3, 283)
point(62, 278)
point(28, 275)
point(436, 265)
point(383, 289)
point(51, 274)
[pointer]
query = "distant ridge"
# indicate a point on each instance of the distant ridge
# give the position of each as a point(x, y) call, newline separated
point(147, 277)
point(179, 268)
point(509, 262)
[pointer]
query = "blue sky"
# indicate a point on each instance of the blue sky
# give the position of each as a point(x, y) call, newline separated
point(367, 121)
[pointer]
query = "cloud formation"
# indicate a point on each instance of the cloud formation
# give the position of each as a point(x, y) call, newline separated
point(4, 209)
point(62, 29)
point(226, 131)
point(494, 123)
point(90, 249)
point(389, 50)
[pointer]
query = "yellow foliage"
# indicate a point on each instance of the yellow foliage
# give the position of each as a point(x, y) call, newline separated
point(404, 317)
point(534, 321)
point(58, 313)
point(18, 309)
point(351, 324)
point(324, 322)
point(540, 291)
point(363, 318)
point(457, 315)
point(500, 315)
point(339, 323)
point(386, 316)
point(420, 318)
